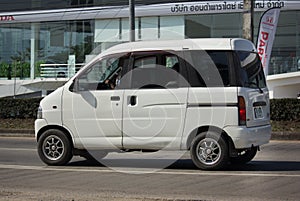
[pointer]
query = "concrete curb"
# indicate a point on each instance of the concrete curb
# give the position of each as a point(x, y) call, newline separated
point(16, 133)
point(285, 136)
point(12, 131)
point(30, 133)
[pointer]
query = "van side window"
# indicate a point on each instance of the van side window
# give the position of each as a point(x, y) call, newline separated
point(171, 61)
point(103, 74)
point(251, 72)
point(144, 62)
point(208, 68)
point(155, 71)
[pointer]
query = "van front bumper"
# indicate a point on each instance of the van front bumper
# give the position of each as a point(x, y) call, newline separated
point(244, 137)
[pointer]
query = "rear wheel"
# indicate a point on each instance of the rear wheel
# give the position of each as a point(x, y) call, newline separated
point(244, 156)
point(54, 148)
point(209, 150)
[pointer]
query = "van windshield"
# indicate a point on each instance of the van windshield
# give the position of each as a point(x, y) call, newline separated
point(251, 72)
point(103, 74)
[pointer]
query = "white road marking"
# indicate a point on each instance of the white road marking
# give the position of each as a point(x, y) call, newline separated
point(16, 149)
point(131, 171)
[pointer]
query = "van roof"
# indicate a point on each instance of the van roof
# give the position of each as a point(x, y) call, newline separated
point(190, 44)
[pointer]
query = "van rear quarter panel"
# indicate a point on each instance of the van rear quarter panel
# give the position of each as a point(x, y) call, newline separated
point(253, 97)
point(216, 107)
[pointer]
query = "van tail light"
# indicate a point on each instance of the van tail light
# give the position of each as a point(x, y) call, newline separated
point(242, 111)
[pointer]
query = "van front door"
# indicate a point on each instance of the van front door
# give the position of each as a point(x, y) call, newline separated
point(93, 105)
point(154, 107)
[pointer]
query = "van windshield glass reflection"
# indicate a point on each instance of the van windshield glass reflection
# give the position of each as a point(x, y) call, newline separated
point(103, 74)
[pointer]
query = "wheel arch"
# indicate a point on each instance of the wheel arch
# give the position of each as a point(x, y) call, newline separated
point(60, 128)
point(206, 128)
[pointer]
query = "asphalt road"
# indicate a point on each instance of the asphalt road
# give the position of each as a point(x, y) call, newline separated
point(274, 174)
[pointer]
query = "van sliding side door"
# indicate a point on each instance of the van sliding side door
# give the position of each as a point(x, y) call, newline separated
point(154, 107)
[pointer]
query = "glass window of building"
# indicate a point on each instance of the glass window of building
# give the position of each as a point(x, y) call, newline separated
point(48, 44)
point(285, 55)
point(214, 25)
point(46, 41)
point(286, 48)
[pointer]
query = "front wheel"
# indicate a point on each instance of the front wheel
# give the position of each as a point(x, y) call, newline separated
point(209, 151)
point(54, 148)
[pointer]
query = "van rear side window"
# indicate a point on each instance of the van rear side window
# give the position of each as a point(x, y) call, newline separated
point(208, 68)
point(251, 72)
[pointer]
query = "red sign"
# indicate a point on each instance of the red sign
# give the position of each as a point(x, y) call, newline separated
point(262, 44)
point(266, 35)
point(7, 18)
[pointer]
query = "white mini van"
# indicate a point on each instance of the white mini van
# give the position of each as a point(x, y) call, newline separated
point(208, 96)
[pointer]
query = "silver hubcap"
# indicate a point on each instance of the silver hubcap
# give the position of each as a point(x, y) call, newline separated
point(208, 151)
point(53, 147)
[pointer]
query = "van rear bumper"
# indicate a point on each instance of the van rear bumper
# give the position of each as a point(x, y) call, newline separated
point(244, 137)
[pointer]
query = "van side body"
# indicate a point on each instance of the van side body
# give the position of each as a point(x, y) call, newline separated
point(208, 96)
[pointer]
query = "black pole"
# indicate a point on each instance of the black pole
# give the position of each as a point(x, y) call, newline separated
point(248, 27)
point(131, 21)
point(252, 20)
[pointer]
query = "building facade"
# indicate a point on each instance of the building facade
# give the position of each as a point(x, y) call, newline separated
point(46, 41)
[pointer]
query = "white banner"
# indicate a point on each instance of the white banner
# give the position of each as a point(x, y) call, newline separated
point(167, 9)
point(266, 35)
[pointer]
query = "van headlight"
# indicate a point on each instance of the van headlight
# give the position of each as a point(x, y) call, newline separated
point(40, 113)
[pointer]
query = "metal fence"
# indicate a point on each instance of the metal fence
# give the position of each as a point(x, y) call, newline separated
point(58, 70)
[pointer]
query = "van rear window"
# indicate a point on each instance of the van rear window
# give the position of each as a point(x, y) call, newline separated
point(251, 72)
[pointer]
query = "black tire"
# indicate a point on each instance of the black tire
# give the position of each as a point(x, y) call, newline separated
point(244, 156)
point(209, 151)
point(54, 148)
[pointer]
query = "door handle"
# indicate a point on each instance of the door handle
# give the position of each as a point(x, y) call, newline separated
point(115, 98)
point(132, 100)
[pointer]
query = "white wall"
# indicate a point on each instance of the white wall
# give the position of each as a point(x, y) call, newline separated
point(285, 85)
